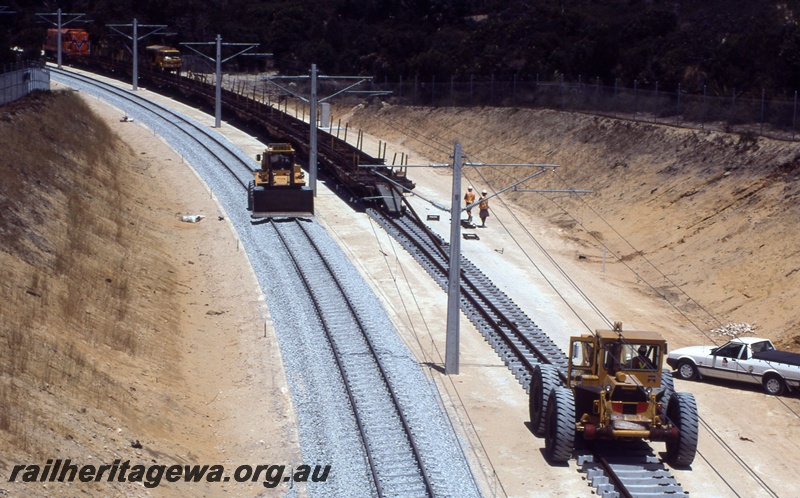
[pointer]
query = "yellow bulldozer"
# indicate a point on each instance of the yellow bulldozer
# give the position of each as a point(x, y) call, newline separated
point(614, 389)
point(279, 188)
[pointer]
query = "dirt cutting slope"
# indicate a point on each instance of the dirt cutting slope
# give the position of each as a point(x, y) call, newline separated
point(705, 219)
point(119, 323)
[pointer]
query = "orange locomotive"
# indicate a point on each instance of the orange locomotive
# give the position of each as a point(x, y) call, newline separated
point(74, 42)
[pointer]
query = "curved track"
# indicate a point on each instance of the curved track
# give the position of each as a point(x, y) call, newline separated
point(401, 439)
point(229, 158)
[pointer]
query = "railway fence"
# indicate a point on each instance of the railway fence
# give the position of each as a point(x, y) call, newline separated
point(716, 109)
point(19, 79)
point(720, 109)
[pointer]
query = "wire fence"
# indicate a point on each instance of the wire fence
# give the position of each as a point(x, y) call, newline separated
point(19, 79)
point(773, 117)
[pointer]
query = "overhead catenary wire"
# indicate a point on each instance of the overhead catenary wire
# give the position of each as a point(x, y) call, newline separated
point(555, 264)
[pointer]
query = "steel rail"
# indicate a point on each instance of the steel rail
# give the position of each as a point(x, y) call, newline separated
point(647, 477)
point(482, 299)
point(377, 472)
point(147, 105)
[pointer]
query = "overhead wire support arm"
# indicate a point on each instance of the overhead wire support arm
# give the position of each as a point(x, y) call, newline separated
point(59, 23)
point(155, 28)
point(510, 187)
point(345, 89)
point(271, 79)
point(454, 271)
point(554, 191)
point(249, 46)
point(527, 165)
point(219, 61)
point(290, 92)
point(313, 101)
point(452, 337)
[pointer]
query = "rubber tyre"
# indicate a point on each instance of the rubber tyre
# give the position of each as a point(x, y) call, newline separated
point(686, 370)
point(682, 412)
point(668, 386)
point(544, 379)
point(559, 439)
point(774, 385)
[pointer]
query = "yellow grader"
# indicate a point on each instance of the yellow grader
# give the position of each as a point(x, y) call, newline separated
point(614, 390)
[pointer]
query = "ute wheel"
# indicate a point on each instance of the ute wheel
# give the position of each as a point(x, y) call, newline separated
point(682, 412)
point(544, 379)
point(559, 439)
point(687, 370)
point(668, 385)
point(774, 385)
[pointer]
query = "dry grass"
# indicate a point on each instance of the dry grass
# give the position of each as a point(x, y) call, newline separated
point(70, 264)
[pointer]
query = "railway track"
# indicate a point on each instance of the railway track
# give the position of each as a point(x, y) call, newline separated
point(514, 336)
point(614, 470)
point(160, 119)
point(394, 459)
point(404, 436)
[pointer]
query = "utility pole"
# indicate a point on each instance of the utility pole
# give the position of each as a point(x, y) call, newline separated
point(59, 24)
point(453, 337)
point(154, 28)
point(453, 333)
point(312, 139)
point(218, 63)
point(313, 101)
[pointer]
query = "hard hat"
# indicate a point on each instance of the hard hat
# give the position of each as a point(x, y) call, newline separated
point(469, 188)
point(484, 192)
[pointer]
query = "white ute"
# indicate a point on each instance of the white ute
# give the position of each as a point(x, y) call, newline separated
point(745, 359)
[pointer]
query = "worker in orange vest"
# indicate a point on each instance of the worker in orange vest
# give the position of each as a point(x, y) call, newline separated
point(469, 198)
point(484, 208)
